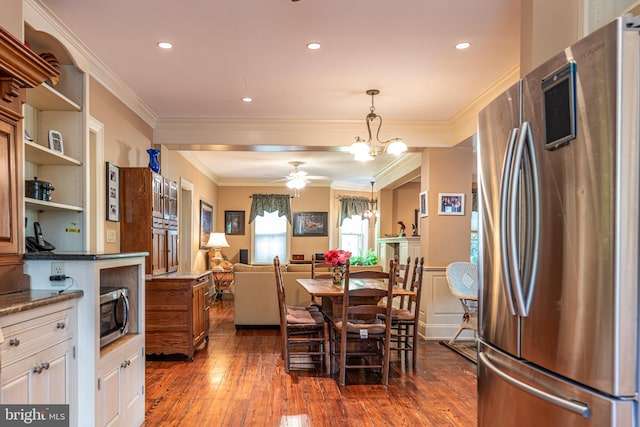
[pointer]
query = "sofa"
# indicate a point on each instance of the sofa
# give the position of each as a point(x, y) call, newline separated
point(255, 295)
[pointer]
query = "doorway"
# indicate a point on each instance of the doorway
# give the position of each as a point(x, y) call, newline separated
point(185, 225)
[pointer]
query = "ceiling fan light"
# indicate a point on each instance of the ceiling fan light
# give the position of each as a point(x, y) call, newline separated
point(296, 183)
point(396, 147)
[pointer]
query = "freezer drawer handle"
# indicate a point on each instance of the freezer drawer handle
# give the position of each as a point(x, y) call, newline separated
point(571, 405)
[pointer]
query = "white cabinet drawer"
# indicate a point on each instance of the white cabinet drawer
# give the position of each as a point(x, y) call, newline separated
point(24, 338)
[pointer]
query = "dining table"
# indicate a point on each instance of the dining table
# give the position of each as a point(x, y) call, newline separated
point(331, 293)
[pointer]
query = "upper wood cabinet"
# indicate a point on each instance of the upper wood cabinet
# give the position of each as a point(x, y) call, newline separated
point(149, 218)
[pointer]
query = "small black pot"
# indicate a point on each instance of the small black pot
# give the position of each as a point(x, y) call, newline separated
point(39, 190)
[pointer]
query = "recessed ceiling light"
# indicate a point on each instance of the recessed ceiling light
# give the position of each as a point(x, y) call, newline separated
point(165, 45)
point(247, 99)
point(463, 45)
point(313, 46)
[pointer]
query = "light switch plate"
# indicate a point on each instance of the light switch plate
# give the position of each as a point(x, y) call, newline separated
point(111, 236)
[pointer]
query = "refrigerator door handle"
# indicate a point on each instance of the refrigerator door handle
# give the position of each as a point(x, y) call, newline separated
point(532, 200)
point(570, 405)
point(507, 167)
point(533, 232)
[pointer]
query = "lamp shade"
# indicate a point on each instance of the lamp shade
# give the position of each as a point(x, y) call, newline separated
point(217, 240)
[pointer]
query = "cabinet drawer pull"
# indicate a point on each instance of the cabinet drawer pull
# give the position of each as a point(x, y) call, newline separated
point(14, 342)
point(44, 365)
point(124, 364)
point(37, 369)
point(60, 325)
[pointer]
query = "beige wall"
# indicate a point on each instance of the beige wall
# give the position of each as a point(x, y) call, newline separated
point(312, 199)
point(126, 137)
point(175, 167)
point(445, 239)
point(11, 18)
point(405, 202)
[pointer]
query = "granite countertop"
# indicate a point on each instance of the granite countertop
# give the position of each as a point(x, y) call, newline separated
point(78, 256)
point(16, 302)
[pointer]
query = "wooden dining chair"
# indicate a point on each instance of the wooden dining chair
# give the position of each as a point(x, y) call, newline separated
point(304, 332)
point(403, 273)
point(405, 319)
point(363, 337)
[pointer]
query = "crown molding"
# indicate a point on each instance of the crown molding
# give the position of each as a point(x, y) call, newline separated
point(42, 18)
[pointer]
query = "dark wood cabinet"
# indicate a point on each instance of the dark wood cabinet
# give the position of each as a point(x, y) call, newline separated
point(149, 218)
point(177, 313)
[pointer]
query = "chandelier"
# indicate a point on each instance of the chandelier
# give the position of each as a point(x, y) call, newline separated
point(373, 205)
point(362, 150)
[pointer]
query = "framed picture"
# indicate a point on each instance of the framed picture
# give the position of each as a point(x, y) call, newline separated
point(113, 192)
point(423, 204)
point(55, 141)
point(234, 223)
point(451, 204)
point(206, 221)
point(310, 223)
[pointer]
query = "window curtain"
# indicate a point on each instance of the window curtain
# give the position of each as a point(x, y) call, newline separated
point(350, 206)
point(261, 203)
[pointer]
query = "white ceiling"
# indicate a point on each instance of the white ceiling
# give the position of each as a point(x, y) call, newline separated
point(227, 49)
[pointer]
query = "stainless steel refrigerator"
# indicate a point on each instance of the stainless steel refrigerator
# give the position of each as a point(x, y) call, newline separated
point(558, 188)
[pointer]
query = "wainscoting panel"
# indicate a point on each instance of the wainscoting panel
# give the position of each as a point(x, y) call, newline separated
point(441, 311)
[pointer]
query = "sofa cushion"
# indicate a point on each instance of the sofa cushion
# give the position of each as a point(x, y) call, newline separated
point(255, 268)
point(299, 267)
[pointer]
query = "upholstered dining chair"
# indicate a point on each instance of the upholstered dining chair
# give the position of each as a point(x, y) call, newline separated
point(405, 319)
point(360, 339)
point(462, 278)
point(304, 332)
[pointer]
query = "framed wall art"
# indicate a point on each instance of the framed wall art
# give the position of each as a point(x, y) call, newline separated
point(310, 223)
point(55, 141)
point(206, 222)
point(234, 223)
point(451, 204)
point(423, 204)
point(113, 192)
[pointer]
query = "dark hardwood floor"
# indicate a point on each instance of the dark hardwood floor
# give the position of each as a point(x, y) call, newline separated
point(238, 379)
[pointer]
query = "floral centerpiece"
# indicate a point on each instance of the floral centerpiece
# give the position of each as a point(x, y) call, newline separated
point(338, 259)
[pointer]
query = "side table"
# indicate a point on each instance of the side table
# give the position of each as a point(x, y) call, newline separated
point(222, 280)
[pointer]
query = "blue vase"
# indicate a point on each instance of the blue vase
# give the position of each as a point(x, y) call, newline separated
point(154, 165)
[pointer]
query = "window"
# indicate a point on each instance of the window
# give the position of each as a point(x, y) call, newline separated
point(269, 238)
point(354, 235)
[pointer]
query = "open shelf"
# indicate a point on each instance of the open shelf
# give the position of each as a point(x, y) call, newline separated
point(44, 97)
point(50, 206)
point(42, 155)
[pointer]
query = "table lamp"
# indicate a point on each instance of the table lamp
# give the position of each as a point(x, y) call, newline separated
point(217, 241)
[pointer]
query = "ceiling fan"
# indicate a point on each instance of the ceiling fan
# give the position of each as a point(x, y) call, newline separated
point(297, 179)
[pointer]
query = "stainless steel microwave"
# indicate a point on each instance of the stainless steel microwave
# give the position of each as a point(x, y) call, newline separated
point(114, 314)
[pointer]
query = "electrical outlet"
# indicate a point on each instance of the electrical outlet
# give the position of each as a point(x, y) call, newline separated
point(57, 268)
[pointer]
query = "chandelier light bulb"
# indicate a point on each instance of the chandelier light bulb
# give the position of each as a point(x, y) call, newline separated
point(396, 147)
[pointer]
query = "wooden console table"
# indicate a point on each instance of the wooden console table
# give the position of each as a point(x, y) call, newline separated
point(177, 313)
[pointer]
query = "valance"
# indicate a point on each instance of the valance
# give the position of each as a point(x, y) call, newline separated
point(270, 203)
point(350, 206)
